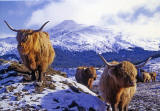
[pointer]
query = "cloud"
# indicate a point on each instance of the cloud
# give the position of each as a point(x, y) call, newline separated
point(4, 35)
point(32, 3)
point(143, 28)
point(138, 17)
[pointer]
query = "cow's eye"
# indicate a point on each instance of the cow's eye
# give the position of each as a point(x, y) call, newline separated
point(24, 39)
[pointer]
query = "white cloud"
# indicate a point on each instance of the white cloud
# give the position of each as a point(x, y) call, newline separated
point(144, 27)
point(96, 12)
point(4, 35)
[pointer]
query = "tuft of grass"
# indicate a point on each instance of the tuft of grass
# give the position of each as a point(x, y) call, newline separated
point(10, 88)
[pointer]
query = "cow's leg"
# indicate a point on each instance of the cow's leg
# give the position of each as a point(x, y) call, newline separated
point(126, 108)
point(32, 66)
point(121, 106)
point(42, 70)
point(39, 74)
point(90, 81)
point(114, 107)
point(33, 75)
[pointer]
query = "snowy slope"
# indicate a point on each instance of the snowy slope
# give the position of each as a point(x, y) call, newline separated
point(153, 66)
point(63, 94)
point(8, 45)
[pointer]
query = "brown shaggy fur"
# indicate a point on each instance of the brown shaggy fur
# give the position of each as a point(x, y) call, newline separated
point(153, 76)
point(118, 85)
point(36, 51)
point(146, 77)
point(86, 76)
point(114, 62)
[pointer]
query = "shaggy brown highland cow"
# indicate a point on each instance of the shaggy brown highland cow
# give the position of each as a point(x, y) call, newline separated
point(146, 77)
point(86, 76)
point(153, 76)
point(35, 50)
point(118, 84)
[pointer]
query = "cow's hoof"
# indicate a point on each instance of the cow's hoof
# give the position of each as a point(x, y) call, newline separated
point(39, 84)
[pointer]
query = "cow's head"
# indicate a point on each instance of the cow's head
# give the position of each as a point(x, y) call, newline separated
point(25, 37)
point(89, 76)
point(124, 72)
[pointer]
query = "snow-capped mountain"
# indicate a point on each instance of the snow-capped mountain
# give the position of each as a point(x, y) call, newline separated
point(78, 37)
point(80, 44)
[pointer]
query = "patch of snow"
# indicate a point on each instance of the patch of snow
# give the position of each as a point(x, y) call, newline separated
point(67, 94)
point(153, 66)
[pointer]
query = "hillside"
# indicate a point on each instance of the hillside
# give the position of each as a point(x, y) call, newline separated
point(58, 93)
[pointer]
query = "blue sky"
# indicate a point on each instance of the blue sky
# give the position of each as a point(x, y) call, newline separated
point(139, 18)
point(17, 13)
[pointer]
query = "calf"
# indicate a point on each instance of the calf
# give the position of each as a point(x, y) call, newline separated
point(86, 76)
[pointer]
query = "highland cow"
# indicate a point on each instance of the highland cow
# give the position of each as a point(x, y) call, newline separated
point(86, 76)
point(35, 50)
point(118, 84)
point(153, 76)
point(146, 77)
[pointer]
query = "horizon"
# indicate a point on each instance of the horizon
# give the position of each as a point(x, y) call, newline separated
point(139, 19)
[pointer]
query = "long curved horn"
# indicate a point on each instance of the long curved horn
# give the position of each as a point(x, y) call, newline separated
point(41, 27)
point(143, 64)
point(11, 27)
point(103, 59)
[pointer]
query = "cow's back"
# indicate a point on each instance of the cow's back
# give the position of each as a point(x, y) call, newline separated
point(79, 74)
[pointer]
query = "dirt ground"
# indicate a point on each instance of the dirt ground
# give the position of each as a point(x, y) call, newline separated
point(146, 98)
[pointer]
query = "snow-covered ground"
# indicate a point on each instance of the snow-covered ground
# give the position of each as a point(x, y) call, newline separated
point(66, 94)
point(63, 94)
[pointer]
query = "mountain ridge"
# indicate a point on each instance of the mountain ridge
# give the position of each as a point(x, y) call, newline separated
point(78, 44)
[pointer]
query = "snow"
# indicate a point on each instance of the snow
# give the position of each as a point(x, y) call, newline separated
point(153, 66)
point(78, 37)
point(63, 96)
point(74, 37)
point(67, 94)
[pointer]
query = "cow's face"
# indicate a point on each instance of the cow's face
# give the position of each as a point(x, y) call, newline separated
point(124, 74)
point(91, 73)
point(24, 41)
point(88, 73)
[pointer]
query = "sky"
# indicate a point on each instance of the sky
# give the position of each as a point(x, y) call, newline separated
point(138, 18)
